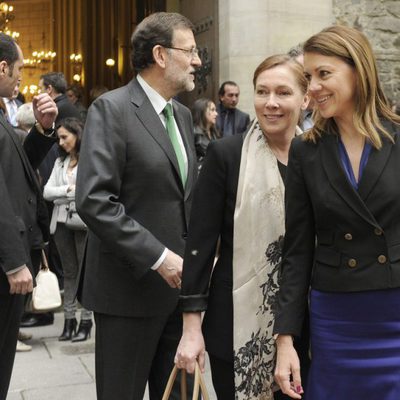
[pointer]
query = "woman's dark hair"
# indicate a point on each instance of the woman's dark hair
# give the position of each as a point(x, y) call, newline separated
point(76, 90)
point(74, 126)
point(199, 111)
point(156, 29)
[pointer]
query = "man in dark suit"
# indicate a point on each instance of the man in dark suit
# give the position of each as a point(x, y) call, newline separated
point(23, 216)
point(134, 190)
point(230, 119)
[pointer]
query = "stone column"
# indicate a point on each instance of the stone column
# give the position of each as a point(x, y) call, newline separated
point(251, 30)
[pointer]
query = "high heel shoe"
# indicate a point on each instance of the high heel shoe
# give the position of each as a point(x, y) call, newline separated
point(85, 327)
point(69, 329)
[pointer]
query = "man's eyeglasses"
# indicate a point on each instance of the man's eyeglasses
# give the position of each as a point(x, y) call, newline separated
point(193, 52)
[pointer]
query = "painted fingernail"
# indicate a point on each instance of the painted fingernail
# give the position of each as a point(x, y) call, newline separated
point(299, 389)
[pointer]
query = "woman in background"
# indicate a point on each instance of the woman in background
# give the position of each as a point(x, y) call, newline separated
point(60, 188)
point(204, 115)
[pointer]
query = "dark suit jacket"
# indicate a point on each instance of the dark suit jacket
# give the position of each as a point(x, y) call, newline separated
point(130, 195)
point(357, 232)
point(212, 217)
point(23, 216)
point(65, 109)
point(240, 124)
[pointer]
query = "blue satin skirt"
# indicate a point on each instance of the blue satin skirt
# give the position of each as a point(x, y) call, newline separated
point(355, 346)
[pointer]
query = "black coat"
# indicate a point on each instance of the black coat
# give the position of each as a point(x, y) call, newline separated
point(241, 120)
point(23, 215)
point(212, 218)
point(338, 239)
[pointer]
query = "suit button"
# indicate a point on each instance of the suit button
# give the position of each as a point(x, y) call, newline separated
point(378, 232)
point(184, 235)
point(348, 236)
point(30, 228)
point(352, 263)
point(30, 200)
point(382, 259)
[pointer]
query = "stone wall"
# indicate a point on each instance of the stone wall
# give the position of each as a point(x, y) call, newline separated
point(250, 31)
point(380, 21)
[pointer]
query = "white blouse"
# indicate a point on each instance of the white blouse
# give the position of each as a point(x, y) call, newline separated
point(56, 190)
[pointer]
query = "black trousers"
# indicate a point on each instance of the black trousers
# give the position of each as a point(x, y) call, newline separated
point(132, 351)
point(11, 309)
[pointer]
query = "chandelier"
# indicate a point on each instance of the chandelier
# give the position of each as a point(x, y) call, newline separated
point(39, 58)
point(5, 17)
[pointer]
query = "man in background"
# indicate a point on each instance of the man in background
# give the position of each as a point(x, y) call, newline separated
point(23, 216)
point(230, 119)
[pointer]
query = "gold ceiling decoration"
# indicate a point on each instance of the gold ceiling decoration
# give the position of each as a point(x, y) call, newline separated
point(6, 16)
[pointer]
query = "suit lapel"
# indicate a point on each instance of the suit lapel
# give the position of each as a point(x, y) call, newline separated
point(20, 150)
point(373, 170)
point(338, 179)
point(151, 122)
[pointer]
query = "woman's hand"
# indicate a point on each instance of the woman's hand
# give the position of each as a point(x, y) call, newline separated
point(191, 346)
point(71, 188)
point(287, 366)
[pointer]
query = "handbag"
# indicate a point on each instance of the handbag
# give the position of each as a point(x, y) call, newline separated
point(46, 294)
point(73, 220)
point(199, 384)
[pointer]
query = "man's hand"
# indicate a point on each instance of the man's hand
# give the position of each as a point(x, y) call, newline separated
point(171, 269)
point(45, 110)
point(21, 282)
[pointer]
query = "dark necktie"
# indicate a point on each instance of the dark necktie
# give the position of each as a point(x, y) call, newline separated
point(228, 123)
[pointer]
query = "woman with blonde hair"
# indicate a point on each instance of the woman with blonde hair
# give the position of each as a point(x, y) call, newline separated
point(239, 199)
point(343, 230)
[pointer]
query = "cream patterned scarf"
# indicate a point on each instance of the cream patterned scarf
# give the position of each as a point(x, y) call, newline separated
point(259, 223)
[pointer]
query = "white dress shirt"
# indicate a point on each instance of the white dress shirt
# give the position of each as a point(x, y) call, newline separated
point(158, 102)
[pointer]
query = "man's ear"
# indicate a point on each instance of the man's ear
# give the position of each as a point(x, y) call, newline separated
point(4, 68)
point(159, 55)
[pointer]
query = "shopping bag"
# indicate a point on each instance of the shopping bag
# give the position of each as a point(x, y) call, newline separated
point(198, 387)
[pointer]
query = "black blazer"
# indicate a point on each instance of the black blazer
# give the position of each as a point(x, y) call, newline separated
point(23, 214)
point(241, 120)
point(130, 195)
point(338, 239)
point(212, 218)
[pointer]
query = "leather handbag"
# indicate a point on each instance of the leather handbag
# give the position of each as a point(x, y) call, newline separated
point(46, 294)
point(73, 220)
point(199, 384)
